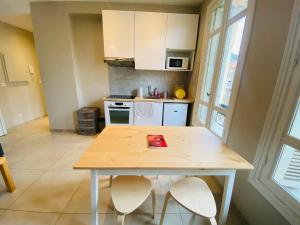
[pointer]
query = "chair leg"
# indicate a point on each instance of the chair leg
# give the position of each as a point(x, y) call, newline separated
point(213, 221)
point(10, 185)
point(168, 195)
point(110, 180)
point(121, 219)
point(153, 202)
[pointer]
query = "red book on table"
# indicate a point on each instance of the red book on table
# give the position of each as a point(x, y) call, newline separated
point(156, 141)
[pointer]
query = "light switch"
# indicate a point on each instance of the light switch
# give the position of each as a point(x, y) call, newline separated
point(31, 69)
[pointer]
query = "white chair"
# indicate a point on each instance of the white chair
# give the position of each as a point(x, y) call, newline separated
point(193, 194)
point(128, 193)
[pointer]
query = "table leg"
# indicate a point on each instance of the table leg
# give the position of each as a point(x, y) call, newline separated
point(227, 193)
point(94, 197)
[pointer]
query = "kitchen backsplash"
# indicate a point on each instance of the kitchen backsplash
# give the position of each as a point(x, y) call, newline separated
point(126, 80)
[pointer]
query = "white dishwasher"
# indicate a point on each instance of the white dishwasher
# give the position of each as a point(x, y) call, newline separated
point(175, 114)
point(148, 113)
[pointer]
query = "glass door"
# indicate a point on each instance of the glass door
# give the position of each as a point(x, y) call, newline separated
point(225, 35)
point(214, 30)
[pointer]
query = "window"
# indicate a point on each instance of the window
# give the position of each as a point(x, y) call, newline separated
point(277, 162)
point(225, 36)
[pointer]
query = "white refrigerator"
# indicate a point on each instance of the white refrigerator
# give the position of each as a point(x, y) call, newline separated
point(2, 126)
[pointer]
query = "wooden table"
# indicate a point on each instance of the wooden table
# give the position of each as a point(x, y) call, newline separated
point(194, 151)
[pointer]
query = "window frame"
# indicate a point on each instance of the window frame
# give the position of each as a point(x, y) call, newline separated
point(248, 13)
point(276, 126)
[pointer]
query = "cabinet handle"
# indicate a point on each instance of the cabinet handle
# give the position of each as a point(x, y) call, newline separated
point(175, 111)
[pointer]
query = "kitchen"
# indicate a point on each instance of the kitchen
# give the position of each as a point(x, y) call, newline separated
point(167, 47)
point(197, 81)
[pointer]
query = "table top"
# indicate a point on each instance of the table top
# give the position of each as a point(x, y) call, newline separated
point(126, 147)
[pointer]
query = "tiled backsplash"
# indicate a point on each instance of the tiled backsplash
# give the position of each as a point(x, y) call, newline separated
point(126, 80)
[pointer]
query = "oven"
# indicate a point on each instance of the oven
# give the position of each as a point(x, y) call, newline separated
point(118, 112)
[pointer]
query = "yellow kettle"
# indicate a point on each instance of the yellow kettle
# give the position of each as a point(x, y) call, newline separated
point(179, 92)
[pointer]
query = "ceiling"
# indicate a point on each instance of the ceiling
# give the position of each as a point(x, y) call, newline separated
point(17, 12)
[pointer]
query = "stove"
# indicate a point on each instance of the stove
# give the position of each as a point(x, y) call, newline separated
point(122, 96)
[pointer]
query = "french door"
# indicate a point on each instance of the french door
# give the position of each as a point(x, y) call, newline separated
point(224, 50)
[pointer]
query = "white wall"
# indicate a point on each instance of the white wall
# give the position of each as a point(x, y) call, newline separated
point(20, 103)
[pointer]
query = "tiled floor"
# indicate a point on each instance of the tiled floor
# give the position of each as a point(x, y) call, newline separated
point(50, 192)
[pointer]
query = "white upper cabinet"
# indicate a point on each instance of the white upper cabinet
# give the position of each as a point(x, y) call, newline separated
point(150, 40)
point(118, 33)
point(182, 31)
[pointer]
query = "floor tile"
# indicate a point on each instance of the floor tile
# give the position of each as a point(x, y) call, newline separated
point(28, 218)
point(67, 161)
point(85, 219)
point(137, 219)
point(50, 193)
point(23, 179)
point(38, 159)
point(80, 201)
point(192, 219)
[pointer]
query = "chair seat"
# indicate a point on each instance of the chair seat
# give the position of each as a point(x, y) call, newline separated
point(194, 194)
point(129, 192)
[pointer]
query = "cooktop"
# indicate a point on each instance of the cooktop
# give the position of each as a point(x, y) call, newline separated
point(122, 96)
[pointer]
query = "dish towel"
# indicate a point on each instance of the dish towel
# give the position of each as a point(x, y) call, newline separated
point(144, 109)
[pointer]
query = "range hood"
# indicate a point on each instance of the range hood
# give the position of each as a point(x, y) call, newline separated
point(122, 62)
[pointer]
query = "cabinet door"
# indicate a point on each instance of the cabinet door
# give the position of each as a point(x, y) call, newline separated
point(148, 113)
point(150, 40)
point(118, 33)
point(175, 114)
point(182, 31)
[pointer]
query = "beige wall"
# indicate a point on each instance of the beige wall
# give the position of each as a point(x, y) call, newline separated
point(92, 72)
point(59, 52)
point(20, 103)
point(265, 51)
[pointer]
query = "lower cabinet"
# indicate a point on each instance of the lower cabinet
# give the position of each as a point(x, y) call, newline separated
point(148, 113)
point(158, 114)
point(175, 114)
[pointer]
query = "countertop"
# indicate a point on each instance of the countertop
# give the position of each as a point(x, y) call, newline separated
point(139, 99)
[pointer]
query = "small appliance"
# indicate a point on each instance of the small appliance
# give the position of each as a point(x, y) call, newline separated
point(177, 63)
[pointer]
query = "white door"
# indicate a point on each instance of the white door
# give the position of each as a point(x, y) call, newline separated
point(2, 126)
point(118, 33)
point(150, 40)
point(182, 31)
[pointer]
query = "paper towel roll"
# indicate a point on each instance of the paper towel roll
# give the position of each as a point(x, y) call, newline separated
point(140, 92)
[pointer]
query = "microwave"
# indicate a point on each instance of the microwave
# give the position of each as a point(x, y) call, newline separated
point(177, 63)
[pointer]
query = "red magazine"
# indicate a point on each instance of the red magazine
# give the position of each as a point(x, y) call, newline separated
point(156, 141)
